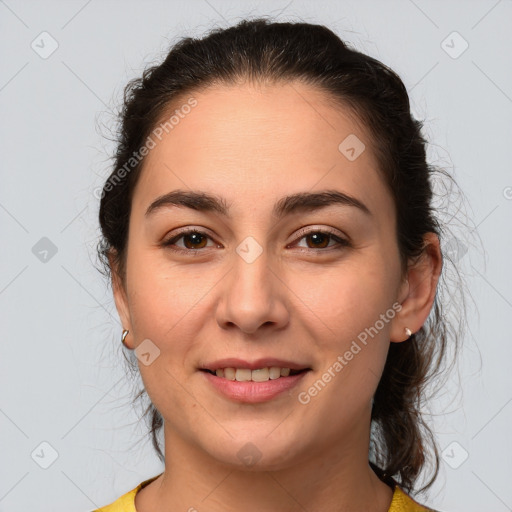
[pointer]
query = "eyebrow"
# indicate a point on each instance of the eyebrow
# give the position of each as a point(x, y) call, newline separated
point(299, 202)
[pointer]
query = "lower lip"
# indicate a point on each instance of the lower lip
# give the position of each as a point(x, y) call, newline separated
point(254, 392)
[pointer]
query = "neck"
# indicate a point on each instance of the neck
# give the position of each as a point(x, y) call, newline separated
point(333, 479)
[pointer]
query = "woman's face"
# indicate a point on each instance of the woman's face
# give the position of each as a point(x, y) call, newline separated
point(261, 281)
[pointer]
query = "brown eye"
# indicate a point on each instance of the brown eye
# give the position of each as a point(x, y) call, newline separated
point(193, 240)
point(320, 239)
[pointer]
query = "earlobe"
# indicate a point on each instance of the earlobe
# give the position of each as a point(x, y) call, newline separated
point(121, 303)
point(123, 338)
point(422, 278)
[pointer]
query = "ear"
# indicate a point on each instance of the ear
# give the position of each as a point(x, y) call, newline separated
point(418, 291)
point(121, 301)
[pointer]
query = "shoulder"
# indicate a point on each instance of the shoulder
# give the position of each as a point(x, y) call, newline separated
point(402, 502)
point(126, 502)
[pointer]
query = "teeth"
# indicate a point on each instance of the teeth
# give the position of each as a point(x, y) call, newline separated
point(259, 375)
point(274, 372)
point(229, 373)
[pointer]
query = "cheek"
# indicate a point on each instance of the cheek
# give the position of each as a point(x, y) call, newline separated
point(162, 310)
point(161, 294)
point(169, 305)
point(348, 313)
point(344, 300)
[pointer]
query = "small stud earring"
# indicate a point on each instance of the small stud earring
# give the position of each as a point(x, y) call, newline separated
point(123, 337)
point(408, 332)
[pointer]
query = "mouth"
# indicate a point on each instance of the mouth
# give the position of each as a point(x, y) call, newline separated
point(252, 386)
point(257, 375)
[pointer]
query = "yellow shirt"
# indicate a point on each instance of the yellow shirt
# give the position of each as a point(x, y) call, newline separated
point(401, 501)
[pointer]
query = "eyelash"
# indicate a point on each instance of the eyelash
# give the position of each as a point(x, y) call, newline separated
point(341, 242)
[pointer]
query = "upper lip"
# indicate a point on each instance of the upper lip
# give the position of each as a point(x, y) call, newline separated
point(267, 362)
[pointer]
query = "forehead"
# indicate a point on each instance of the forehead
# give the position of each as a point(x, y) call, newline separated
point(254, 144)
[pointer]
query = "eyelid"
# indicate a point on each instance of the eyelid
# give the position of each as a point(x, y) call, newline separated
point(341, 239)
point(183, 232)
point(317, 229)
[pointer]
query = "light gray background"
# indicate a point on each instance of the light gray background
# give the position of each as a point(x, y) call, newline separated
point(62, 369)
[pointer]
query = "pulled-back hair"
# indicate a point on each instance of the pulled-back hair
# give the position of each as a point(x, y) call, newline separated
point(262, 51)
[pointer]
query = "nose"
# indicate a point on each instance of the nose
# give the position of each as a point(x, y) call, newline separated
point(253, 295)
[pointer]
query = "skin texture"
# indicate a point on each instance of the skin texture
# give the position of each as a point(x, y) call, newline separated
point(298, 300)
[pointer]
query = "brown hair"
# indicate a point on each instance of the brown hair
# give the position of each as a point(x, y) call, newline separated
point(262, 50)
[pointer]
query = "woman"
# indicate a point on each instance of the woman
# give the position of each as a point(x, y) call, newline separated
point(275, 258)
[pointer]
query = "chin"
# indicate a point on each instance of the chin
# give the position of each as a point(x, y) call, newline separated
point(258, 453)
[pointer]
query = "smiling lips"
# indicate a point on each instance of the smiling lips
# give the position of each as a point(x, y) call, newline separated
point(256, 381)
point(260, 370)
point(258, 375)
